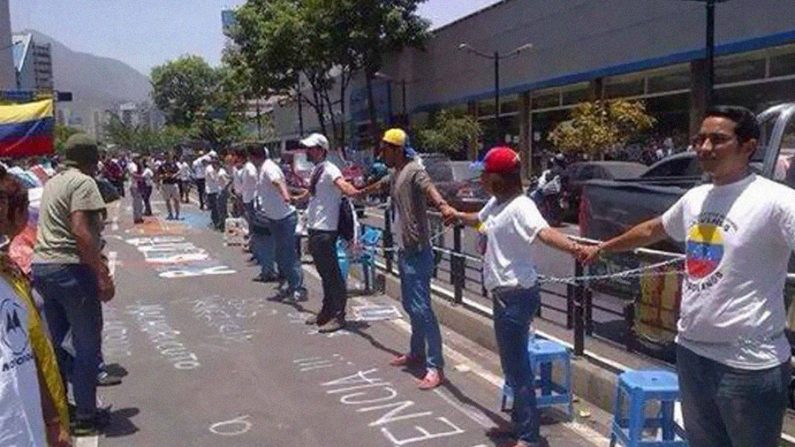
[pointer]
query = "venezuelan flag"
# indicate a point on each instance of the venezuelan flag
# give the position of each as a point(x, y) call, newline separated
point(704, 250)
point(26, 129)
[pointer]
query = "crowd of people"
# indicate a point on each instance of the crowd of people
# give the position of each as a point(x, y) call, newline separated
point(733, 355)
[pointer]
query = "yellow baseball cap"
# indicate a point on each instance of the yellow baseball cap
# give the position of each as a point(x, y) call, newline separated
point(395, 136)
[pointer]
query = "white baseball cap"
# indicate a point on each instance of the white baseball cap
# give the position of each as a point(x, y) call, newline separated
point(315, 140)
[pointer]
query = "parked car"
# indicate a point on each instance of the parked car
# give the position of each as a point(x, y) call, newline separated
point(298, 169)
point(577, 174)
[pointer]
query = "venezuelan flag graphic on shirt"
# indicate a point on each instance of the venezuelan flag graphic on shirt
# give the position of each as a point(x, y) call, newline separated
point(704, 250)
point(26, 129)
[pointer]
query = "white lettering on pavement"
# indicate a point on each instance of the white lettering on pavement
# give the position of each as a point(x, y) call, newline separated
point(152, 321)
point(232, 427)
point(399, 421)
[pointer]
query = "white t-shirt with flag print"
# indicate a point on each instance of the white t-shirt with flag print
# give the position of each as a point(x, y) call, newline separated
point(738, 238)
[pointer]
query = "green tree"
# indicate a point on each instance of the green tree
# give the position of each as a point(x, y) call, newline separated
point(452, 133)
point(62, 133)
point(181, 88)
point(142, 139)
point(600, 125)
point(378, 28)
point(324, 43)
point(205, 102)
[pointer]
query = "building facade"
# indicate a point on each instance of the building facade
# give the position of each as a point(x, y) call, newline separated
point(7, 75)
point(33, 64)
point(652, 50)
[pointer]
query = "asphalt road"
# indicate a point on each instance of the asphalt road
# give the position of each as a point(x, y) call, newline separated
point(210, 361)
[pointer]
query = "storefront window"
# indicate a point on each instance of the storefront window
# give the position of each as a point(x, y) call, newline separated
point(486, 107)
point(576, 94)
point(782, 61)
point(745, 67)
point(545, 99)
point(757, 97)
point(669, 79)
point(509, 104)
point(622, 86)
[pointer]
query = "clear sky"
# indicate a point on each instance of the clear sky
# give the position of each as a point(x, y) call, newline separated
point(145, 33)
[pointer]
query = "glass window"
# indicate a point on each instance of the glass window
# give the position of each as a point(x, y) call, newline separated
point(486, 107)
point(509, 104)
point(621, 86)
point(669, 79)
point(782, 61)
point(576, 94)
point(745, 67)
point(545, 99)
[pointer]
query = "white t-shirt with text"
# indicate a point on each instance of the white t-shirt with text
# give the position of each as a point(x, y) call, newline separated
point(738, 238)
point(510, 228)
point(323, 211)
point(270, 198)
point(21, 420)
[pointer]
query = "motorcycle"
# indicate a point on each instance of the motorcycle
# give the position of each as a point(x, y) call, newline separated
point(551, 200)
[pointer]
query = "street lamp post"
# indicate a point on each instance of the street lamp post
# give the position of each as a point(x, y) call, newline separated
point(496, 56)
point(710, 48)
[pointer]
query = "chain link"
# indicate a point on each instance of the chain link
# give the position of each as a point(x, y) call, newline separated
point(631, 273)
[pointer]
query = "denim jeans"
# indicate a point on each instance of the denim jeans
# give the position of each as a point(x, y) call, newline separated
point(200, 189)
point(263, 249)
point(71, 302)
point(323, 247)
point(513, 311)
point(728, 407)
point(283, 237)
point(212, 205)
point(416, 268)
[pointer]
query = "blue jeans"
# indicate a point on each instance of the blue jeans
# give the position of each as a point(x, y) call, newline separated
point(416, 268)
point(728, 407)
point(283, 237)
point(71, 301)
point(263, 248)
point(513, 311)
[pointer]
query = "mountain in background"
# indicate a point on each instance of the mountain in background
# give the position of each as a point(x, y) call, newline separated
point(96, 82)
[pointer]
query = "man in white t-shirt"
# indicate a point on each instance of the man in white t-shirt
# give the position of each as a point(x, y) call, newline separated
point(212, 186)
point(732, 351)
point(327, 186)
point(136, 192)
point(281, 218)
point(185, 172)
point(199, 174)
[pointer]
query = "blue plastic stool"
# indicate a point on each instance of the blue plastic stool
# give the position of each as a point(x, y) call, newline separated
point(641, 387)
point(543, 355)
point(342, 259)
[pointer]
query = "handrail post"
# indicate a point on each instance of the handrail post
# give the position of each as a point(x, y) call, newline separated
point(579, 326)
point(388, 239)
point(457, 274)
point(588, 311)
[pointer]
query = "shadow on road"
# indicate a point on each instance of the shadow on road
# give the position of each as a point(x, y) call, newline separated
point(121, 423)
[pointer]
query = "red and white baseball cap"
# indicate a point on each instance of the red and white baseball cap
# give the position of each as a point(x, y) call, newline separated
point(501, 160)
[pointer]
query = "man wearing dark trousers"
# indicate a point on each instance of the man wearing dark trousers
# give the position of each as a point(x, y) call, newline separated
point(71, 276)
point(199, 167)
point(327, 186)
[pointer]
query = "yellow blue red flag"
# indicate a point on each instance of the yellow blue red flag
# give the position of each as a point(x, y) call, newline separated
point(26, 129)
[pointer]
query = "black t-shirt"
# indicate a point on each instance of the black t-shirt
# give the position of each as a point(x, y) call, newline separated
point(169, 171)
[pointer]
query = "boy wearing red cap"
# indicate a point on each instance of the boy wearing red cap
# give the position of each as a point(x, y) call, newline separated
point(510, 222)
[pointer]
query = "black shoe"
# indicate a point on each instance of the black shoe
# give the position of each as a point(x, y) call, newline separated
point(87, 427)
point(268, 278)
point(318, 319)
point(105, 379)
point(332, 325)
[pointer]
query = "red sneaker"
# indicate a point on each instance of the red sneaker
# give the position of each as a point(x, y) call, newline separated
point(406, 360)
point(432, 379)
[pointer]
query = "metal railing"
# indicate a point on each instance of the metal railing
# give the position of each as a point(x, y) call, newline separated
point(454, 263)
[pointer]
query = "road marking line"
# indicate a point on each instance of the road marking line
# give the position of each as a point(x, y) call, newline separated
point(476, 416)
point(86, 441)
point(112, 258)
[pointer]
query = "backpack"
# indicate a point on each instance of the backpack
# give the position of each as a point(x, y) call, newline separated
point(347, 225)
